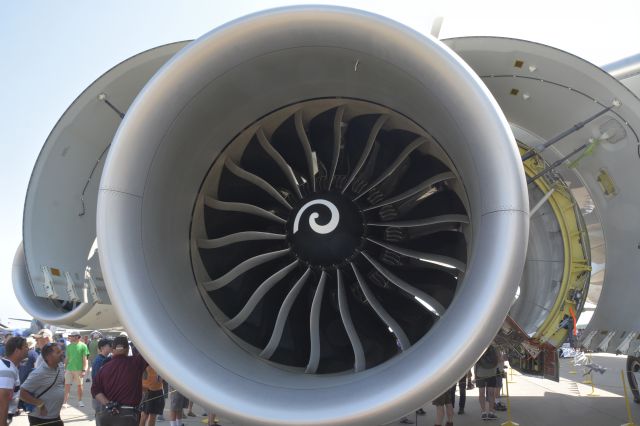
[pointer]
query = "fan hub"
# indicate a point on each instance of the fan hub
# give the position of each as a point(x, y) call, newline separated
point(325, 230)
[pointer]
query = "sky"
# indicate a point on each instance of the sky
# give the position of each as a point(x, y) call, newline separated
point(52, 50)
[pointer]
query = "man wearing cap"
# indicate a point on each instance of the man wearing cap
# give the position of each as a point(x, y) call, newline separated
point(93, 349)
point(118, 386)
point(76, 363)
point(42, 337)
point(104, 354)
point(26, 367)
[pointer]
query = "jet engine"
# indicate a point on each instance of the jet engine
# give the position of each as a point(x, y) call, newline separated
point(307, 216)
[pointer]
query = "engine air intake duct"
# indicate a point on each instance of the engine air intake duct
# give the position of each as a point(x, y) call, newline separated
point(302, 214)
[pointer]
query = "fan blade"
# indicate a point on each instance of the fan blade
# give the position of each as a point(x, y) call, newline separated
point(242, 208)
point(304, 140)
point(279, 160)
point(436, 259)
point(257, 295)
point(394, 166)
point(382, 313)
point(337, 142)
point(367, 149)
point(429, 302)
point(415, 190)
point(242, 268)
point(314, 326)
point(359, 363)
point(256, 180)
point(428, 221)
point(237, 238)
point(283, 314)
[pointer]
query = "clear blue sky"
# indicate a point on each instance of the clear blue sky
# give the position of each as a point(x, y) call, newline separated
point(52, 50)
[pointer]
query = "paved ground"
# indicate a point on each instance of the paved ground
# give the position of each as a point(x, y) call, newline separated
point(534, 402)
point(538, 402)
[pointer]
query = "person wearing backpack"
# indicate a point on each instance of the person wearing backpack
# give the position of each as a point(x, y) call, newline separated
point(485, 372)
point(44, 388)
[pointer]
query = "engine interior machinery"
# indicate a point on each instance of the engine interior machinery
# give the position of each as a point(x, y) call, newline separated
point(330, 227)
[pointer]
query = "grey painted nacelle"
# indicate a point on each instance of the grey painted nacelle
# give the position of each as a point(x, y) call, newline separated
point(544, 91)
point(56, 271)
point(162, 150)
point(178, 120)
point(626, 70)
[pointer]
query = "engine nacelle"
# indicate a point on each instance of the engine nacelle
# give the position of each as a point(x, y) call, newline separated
point(242, 213)
point(52, 310)
point(56, 272)
point(328, 228)
point(544, 92)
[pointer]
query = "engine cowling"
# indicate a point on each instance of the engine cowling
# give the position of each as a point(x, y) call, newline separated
point(544, 92)
point(297, 223)
point(242, 211)
point(56, 271)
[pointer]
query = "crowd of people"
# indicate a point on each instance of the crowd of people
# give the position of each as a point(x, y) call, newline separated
point(37, 374)
point(489, 374)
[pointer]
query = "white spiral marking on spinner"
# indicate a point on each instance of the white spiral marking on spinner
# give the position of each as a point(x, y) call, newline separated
point(320, 229)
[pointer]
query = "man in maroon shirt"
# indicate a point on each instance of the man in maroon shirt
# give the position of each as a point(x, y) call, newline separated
point(118, 386)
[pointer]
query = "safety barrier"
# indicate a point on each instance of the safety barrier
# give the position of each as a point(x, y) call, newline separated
point(509, 421)
point(626, 401)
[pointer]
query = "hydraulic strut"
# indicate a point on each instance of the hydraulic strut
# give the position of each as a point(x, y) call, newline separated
point(560, 161)
point(560, 136)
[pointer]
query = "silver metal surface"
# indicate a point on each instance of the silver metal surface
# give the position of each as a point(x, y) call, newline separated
point(547, 93)
point(257, 296)
point(209, 92)
point(446, 261)
point(458, 218)
point(381, 145)
point(199, 102)
point(624, 68)
point(314, 326)
point(59, 255)
point(60, 207)
point(82, 315)
point(403, 340)
point(543, 271)
point(415, 190)
point(283, 314)
point(358, 353)
point(238, 237)
point(256, 180)
point(367, 149)
point(242, 207)
point(243, 267)
point(438, 309)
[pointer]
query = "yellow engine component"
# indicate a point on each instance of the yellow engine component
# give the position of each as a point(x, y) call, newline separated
point(577, 263)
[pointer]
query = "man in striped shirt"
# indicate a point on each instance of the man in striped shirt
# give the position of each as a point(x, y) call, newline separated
point(16, 350)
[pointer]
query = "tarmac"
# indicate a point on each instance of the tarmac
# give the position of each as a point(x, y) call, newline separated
point(533, 402)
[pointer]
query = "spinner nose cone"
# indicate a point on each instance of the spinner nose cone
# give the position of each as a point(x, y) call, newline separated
point(327, 230)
